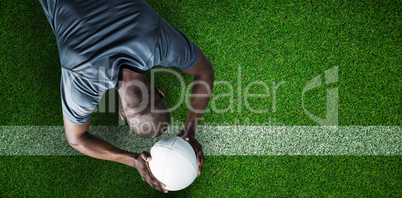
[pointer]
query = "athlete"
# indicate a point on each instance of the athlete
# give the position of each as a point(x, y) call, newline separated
point(110, 44)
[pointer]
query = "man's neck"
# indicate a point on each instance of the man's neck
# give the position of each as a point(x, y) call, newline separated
point(129, 76)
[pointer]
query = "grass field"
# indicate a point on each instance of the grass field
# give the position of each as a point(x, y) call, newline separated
point(269, 47)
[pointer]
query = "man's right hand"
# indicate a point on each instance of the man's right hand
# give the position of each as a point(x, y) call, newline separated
point(93, 146)
point(142, 165)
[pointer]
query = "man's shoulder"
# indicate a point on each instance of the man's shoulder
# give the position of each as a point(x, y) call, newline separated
point(79, 95)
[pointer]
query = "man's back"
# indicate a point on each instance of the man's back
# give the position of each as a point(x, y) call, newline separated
point(97, 29)
point(96, 38)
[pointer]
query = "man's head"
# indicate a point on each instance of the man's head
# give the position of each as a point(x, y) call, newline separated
point(142, 105)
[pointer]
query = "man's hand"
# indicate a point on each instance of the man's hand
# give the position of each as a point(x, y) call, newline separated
point(197, 148)
point(141, 164)
point(201, 91)
point(93, 146)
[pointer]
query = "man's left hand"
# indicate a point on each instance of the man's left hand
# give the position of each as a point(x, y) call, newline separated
point(197, 148)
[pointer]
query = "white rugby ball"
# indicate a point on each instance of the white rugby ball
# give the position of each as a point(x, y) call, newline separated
point(174, 163)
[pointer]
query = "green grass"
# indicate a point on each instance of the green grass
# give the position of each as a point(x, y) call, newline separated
point(223, 176)
point(271, 41)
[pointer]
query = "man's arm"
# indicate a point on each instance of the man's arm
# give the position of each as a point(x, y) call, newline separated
point(201, 91)
point(203, 80)
point(88, 144)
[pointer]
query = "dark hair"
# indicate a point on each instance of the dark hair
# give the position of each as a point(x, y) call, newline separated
point(146, 112)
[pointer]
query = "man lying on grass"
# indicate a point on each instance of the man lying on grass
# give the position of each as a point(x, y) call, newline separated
point(110, 44)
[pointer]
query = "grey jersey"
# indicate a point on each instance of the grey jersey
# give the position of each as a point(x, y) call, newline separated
point(97, 37)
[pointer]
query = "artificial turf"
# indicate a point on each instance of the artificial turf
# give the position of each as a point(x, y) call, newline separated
point(272, 42)
point(223, 176)
point(268, 41)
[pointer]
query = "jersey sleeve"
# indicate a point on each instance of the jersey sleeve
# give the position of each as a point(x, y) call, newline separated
point(78, 97)
point(49, 9)
point(178, 50)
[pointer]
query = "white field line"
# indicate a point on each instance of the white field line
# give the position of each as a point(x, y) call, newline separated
point(220, 140)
